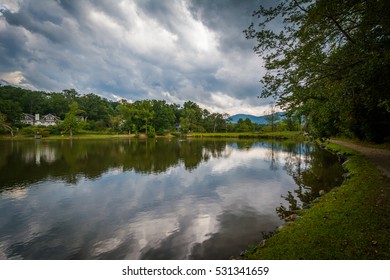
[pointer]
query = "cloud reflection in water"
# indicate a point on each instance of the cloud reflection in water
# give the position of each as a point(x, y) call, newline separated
point(210, 211)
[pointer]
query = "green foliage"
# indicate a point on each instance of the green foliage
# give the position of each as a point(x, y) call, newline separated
point(103, 116)
point(143, 114)
point(245, 125)
point(175, 134)
point(11, 110)
point(43, 131)
point(72, 121)
point(164, 118)
point(191, 119)
point(4, 125)
point(95, 107)
point(56, 104)
point(53, 130)
point(329, 62)
point(151, 132)
point(28, 131)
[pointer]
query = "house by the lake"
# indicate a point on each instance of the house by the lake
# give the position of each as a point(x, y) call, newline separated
point(46, 120)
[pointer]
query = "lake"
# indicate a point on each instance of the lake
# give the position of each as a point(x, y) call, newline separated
point(151, 199)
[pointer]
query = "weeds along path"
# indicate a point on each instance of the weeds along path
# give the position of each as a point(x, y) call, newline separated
point(380, 157)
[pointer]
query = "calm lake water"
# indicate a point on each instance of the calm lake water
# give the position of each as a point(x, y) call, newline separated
point(155, 199)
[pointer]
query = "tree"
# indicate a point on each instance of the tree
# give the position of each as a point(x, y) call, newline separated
point(57, 104)
point(144, 114)
point(138, 116)
point(215, 122)
point(329, 60)
point(34, 102)
point(164, 116)
point(272, 116)
point(244, 125)
point(5, 125)
point(115, 123)
point(292, 121)
point(95, 107)
point(72, 121)
point(127, 114)
point(192, 117)
point(229, 125)
point(11, 110)
point(71, 95)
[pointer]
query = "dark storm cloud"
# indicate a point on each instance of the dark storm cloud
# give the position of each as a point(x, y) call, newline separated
point(175, 50)
point(229, 18)
point(39, 19)
point(12, 45)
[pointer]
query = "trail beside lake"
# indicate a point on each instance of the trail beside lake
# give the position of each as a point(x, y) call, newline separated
point(380, 157)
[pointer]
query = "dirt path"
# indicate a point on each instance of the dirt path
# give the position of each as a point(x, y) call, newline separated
point(380, 157)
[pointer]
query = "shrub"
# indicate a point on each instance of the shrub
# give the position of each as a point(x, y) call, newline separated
point(28, 131)
point(176, 133)
point(151, 132)
point(45, 133)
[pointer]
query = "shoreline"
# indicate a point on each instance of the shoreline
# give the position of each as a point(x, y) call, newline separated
point(349, 222)
point(284, 135)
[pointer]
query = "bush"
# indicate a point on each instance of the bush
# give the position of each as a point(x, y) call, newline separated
point(176, 133)
point(151, 132)
point(53, 130)
point(28, 131)
point(45, 133)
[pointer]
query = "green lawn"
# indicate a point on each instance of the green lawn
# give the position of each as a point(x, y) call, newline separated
point(350, 222)
point(76, 136)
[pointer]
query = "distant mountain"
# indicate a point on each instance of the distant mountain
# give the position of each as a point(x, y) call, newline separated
point(254, 119)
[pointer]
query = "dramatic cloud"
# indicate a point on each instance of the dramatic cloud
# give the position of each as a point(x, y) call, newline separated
point(173, 50)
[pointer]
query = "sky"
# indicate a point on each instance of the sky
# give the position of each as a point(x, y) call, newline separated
point(176, 50)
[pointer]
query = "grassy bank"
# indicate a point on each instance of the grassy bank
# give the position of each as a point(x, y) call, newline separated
point(350, 222)
point(77, 136)
point(281, 135)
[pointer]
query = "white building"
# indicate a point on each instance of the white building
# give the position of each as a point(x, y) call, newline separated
point(46, 120)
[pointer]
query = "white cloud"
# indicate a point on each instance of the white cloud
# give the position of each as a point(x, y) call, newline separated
point(134, 50)
point(13, 77)
point(171, 98)
point(12, 6)
point(16, 78)
point(239, 158)
point(137, 34)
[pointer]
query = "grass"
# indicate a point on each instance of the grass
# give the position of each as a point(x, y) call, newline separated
point(76, 136)
point(279, 135)
point(350, 222)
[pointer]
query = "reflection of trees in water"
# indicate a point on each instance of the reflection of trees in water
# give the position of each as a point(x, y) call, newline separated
point(314, 170)
point(27, 162)
point(273, 156)
point(70, 160)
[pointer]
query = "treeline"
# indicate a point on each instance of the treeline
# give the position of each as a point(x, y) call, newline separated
point(91, 112)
